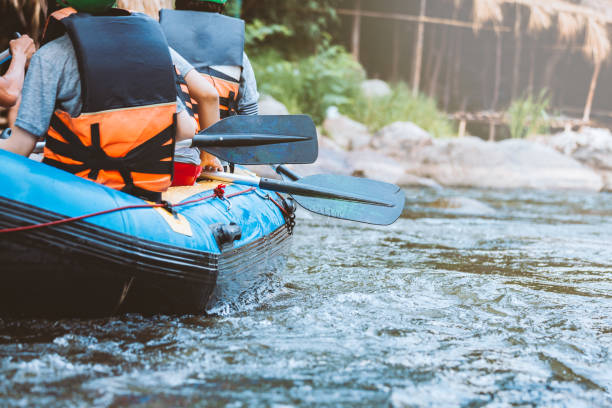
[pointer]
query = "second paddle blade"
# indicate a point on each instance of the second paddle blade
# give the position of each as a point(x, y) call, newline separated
point(371, 214)
point(261, 139)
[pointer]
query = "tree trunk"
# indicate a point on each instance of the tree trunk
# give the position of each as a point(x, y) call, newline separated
point(589, 103)
point(418, 52)
point(356, 37)
point(518, 47)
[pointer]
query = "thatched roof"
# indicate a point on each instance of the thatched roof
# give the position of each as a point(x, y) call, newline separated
point(573, 21)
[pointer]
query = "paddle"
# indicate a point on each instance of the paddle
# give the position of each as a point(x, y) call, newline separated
point(344, 197)
point(5, 56)
point(256, 140)
point(261, 139)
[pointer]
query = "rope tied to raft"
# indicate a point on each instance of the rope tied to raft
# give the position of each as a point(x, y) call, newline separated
point(124, 208)
point(220, 191)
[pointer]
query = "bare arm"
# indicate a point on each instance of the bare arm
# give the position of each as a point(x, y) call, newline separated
point(208, 111)
point(12, 82)
point(21, 142)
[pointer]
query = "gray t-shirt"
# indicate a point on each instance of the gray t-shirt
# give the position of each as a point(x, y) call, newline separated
point(247, 104)
point(53, 82)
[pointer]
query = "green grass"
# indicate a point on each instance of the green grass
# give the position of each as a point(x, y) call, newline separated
point(400, 106)
point(528, 115)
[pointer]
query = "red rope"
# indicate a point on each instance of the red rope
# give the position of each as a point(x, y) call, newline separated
point(127, 207)
point(280, 207)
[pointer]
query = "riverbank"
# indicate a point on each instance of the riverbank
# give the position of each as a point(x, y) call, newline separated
point(404, 154)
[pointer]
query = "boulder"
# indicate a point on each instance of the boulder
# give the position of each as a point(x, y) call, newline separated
point(472, 162)
point(375, 88)
point(399, 139)
point(270, 106)
point(347, 133)
point(591, 147)
point(375, 165)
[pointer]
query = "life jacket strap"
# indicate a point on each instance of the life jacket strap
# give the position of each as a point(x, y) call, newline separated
point(150, 157)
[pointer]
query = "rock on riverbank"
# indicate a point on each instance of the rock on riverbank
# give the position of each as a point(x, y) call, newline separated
point(591, 147)
point(404, 154)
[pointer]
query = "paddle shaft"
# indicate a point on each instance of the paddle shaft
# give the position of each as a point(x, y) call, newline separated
point(292, 188)
point(286, 171)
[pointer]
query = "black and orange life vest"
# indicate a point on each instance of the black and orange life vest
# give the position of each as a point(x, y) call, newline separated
point(125, 134)
point(214, 45)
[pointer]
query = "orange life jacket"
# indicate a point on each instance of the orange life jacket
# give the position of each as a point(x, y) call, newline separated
point(214, 45)
point(125, 134)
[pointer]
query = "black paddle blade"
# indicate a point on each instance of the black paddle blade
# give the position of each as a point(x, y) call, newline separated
point(354, 211)
point(261, 139)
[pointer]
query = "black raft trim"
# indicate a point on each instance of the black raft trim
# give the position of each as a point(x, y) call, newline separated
point(133, 256)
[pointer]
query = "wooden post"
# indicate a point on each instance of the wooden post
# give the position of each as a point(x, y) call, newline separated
point(462, 126)
point(491, 131)
point(589, 103)
point(396, 51)
point(518, 46)
point(356, 37)
point(498, 68)
point(418, 52)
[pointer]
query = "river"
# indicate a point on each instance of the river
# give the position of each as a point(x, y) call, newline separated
point(473, 298)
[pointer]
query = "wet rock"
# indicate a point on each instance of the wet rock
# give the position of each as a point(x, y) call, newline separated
point(399, 139)
point(472, 162)
point(375, 88)
point(591, 147)
point(375, 165)
point(347, 133)
point(270, 106)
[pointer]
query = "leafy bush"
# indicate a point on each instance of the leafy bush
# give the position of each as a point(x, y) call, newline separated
point(527, 115)
point(401, 105)
point(310, 85)
point(305, 24)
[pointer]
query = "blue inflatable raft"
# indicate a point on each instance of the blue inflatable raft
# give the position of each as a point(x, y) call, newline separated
point(204, 250)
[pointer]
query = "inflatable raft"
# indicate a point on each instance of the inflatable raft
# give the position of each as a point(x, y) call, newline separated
point(212, 246)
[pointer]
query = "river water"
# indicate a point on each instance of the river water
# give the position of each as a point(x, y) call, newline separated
point(473, 298)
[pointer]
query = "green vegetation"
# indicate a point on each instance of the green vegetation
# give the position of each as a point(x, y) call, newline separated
point(527, 115)
point(400, 106)
point(289, 44)
point(298, 27)
point(311, 84)
point(332, 78)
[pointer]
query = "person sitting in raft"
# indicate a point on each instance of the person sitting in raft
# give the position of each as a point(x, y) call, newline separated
point(102, 91)
point(11, 82)
point(221, 61)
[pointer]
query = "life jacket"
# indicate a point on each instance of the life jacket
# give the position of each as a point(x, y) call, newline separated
point(124, 136)
point(214, 45)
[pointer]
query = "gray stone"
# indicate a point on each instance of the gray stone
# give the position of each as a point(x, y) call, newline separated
point(270, 106)
point(375, 88)
point(400, 139)
point(591, 147)
point(347, 133)
point(472, 162)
